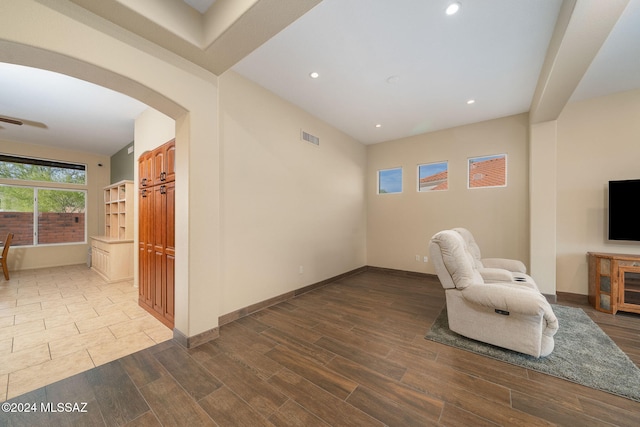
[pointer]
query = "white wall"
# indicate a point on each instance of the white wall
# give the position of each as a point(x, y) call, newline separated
point(399, 226)
point(286, 203)
point(543, 155)
point(598, 141)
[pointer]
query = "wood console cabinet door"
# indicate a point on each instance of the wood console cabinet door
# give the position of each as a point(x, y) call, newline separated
point(629, 289)
point(614, 282)
point(157, 237)
point(602, 283)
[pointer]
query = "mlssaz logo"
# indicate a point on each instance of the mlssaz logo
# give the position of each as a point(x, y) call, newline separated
point(63, 407)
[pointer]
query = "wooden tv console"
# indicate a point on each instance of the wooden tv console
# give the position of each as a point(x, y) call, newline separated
point(614, 282)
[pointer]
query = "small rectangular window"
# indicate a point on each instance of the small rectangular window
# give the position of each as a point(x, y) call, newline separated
point(390, 181)
point(487, 171)
point(433, 177)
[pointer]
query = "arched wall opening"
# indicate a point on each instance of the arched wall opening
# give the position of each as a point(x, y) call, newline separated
point(192, 102)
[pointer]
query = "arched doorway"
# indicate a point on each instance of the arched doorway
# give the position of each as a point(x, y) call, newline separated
point(182, 95)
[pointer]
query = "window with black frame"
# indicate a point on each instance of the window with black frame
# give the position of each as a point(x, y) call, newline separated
point(42, 201)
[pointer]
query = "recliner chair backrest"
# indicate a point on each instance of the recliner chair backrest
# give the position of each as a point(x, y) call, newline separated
point(453, 262)
point(473, 247)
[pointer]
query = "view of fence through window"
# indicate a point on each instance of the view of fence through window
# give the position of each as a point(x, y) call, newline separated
point(40, 215)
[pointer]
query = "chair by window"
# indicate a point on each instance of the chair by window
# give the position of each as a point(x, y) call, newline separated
point(3, 257)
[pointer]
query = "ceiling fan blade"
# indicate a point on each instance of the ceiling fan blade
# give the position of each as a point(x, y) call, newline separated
point(12, 121)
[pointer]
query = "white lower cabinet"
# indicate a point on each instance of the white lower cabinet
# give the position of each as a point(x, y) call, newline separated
point(112, 258)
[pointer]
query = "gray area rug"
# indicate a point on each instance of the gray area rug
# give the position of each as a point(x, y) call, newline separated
point(583, 353)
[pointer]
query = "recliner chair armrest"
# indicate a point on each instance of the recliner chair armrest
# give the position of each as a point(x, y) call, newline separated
point(552, 321)
point(508, 297)
point(496, 275)
point(507, 264)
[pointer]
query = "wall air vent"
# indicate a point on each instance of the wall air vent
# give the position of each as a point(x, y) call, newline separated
point(310, 138)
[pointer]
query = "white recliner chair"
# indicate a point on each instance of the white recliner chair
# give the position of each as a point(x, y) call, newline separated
point(512, 315)
point(495, 269)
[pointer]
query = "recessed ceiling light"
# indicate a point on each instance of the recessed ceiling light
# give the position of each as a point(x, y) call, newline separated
point(378, 125)
point(314, 75)
point(471, 101)
point(453, 8)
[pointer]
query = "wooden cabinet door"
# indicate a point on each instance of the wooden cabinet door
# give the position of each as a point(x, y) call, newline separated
point(163, 237)
point(164, 163)
point(157, 235)
point(147, 277)
point(170, 161)
point(145, 203)
point(159, 238)
point(143, 277)
point(145, 266)
point(145, 167)
point(169, 256)
point(629, 288)
point(158, 165)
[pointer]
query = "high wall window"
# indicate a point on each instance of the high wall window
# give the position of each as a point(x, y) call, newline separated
point(390, 181)
point(41, 201)
point(487, 171)
point(433, 177)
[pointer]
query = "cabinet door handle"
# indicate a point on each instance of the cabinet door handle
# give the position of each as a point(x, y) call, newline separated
point(143, 192)
point(143, 182)
point(163, 189)
point(163, 176)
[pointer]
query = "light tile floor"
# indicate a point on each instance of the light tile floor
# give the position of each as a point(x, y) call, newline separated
point(57, 322)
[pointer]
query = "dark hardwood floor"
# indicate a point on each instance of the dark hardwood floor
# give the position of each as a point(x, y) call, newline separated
point(351, 353)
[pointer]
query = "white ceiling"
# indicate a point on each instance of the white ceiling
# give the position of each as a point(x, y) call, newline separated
point(402, 64)
point(617, 66)
point(410, 69)
point(200, 5)
point(65, 112)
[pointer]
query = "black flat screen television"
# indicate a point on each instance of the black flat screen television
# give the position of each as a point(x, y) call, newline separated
point(624, 217)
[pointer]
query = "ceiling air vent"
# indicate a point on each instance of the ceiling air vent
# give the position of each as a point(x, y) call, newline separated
point(310, 138)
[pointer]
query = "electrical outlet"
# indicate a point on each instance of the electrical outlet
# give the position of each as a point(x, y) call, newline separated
point(301, 269)
point(426, 259)
point(417, 257)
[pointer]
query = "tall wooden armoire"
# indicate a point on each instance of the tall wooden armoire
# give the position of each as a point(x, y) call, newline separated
point(156, 172)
